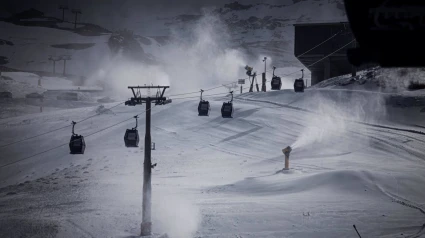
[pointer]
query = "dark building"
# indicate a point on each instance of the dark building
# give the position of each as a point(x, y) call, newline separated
point(312, 45)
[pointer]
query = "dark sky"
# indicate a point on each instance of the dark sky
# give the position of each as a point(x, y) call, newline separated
point(115, 14)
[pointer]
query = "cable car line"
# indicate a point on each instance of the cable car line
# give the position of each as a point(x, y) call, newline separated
point(181, 94)
point(48, 132)
point(320, 43)
point(56, 147)
point(317, 60)
point(216, 94)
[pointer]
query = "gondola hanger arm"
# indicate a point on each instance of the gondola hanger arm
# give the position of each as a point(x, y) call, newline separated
point(73, 125)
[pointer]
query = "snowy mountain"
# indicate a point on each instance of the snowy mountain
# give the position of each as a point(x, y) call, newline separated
point(251, 31)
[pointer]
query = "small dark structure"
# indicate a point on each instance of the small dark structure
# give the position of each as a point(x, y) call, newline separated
point(131, 136)
point(203, 107)
point(276, 83)
point(227, 108)
point(34, 95)
point(5, 95)
point(320, 48)
point(299, 83)
point(77, 145)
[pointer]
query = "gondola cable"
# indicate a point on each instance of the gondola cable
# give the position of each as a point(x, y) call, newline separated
point(54, 130)
point(56, 147)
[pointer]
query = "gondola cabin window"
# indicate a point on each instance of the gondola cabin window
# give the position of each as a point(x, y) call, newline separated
point(204, 106)
point(132, 136)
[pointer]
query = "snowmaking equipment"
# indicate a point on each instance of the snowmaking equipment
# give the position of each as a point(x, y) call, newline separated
point(254, 77)
point(286, 152)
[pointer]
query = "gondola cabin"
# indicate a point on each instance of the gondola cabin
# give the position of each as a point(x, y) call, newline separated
point(299, 85)
point(276, 83)
point(204, 108)
point(77, 145)
point(227, 110)
point(131, 138)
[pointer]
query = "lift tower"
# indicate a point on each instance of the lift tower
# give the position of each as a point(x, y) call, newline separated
point(159, 99)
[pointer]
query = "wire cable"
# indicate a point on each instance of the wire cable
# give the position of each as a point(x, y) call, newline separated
point(58, 129)
point(205, 90)
point(56, 147)
point(182, 94)
point(320, 59)
point(270, 70)
point(320, 43)
point(216, 94)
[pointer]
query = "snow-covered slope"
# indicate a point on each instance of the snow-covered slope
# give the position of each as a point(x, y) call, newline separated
point(259, 29)
point(351, 164)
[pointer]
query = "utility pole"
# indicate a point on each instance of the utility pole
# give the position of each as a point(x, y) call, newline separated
point(256, 83)
point(63, 8)
point(65, 58)
point(54, 59)
point(263, 86)
point(76, 12)
point(159, 99)
point(241, 82)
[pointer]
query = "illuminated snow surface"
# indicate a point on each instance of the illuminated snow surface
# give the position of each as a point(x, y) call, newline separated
point(355, 160)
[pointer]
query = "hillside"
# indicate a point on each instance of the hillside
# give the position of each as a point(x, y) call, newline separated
point(250, 31)
point(355, 160)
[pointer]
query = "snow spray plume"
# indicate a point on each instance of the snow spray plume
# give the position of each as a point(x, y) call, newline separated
point(174, 215)
point(199, 56)
point(335, 117)
point(118, 73)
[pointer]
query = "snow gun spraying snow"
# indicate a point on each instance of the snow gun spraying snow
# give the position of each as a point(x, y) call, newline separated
point(249, 70)
point(286, 152)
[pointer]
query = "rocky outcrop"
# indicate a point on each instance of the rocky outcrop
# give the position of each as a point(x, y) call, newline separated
point(124, 42)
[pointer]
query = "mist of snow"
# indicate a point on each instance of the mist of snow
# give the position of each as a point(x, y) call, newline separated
point(335, 118)
point(199, 57)
point(175, 215)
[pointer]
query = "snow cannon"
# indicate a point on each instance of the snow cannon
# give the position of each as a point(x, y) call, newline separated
point(286, 152)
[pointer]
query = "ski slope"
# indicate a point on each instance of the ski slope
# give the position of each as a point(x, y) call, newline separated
point(351, 164)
